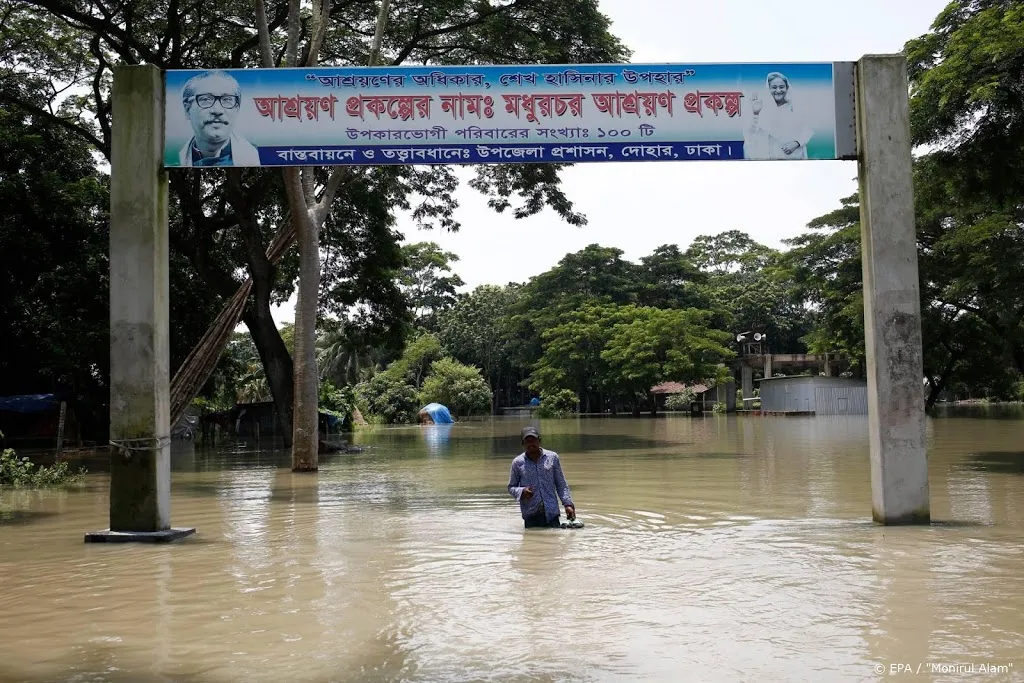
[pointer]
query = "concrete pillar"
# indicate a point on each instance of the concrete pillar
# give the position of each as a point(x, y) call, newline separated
point(747, 384)
point(768, 365)
point(140, 476)
point(892, 315)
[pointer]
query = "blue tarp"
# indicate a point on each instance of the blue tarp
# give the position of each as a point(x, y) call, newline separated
point(438, 413)
point(332, 421)
point(534, 401)
point(29, 403)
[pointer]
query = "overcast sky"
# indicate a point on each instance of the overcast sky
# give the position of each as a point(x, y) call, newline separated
point(639, 206)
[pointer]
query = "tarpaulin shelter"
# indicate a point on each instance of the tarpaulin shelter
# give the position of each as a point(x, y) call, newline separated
point(435, 413)
point(30, 418)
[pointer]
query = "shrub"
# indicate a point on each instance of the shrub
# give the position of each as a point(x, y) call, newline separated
point(681, 401)
point(459, 387)
point(387, 400)
point(338, 402)
point(559, 403)
point(21, 473)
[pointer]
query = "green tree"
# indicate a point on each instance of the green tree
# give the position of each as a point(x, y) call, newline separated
point(477, 331)
point(967, 105)
point(386, 399)
point(749, 286)
point(459, 387)
point(427, 279)
point(669, 279)
point(659, 345)
point(414, 365)
point(54, 241)
point(557, 403)
point(959, 349)
point(827, 273)
point(572, 352)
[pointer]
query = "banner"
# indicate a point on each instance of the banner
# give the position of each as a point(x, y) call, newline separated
point(508, 114)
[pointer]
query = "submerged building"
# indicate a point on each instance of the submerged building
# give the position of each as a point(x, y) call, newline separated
point(814, 395)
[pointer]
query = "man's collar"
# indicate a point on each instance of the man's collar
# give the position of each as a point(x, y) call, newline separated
point(223, 154)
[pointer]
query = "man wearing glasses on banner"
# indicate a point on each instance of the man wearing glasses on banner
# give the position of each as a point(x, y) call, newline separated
point(212, 101)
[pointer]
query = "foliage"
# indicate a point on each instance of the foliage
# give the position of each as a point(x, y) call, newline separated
point(20, 472)
point(54, 241)
point(387, 399)
point(827, 274)
point(967, 104)
point(337, 401)
point(625, 350)
point(681, 401)
point(459, 387)
point(416, 360)
point(751, 287)
point(557, 403)
point(428, 286)
point(476, 331)
point(659, 345)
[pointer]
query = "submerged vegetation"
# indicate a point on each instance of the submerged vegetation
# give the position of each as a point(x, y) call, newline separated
point(20, 472)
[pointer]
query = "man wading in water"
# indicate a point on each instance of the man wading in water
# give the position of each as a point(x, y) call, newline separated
point(537, 482)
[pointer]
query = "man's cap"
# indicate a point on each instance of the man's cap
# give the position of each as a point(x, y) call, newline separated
point(530, 431)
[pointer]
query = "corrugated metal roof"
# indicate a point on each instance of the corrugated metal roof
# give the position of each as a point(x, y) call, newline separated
point(678, 388)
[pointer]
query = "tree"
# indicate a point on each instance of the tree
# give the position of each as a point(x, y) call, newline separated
point(728, 252)
point(419, 355)
point(387, 399)
point(751, 287)
point(827, 273)
point(428, 289)
point(572, 351)
point(53, 237)
point(669, 279)
point(476, 331)
point(658, 345)
point(958, 349)
point(342, 355)
point(967, 104)
point(459, 387)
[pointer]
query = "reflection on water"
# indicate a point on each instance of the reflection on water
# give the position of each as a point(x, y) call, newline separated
point(715, 549)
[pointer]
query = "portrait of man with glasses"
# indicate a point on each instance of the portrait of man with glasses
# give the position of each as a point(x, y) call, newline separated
point(212, 101)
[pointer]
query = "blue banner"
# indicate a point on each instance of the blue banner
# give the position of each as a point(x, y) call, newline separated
point(499, 114)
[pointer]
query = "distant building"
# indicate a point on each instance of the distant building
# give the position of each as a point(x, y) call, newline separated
point(707, 394)
point(817, 395)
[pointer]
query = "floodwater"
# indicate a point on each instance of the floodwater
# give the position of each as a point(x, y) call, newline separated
point(715, 549)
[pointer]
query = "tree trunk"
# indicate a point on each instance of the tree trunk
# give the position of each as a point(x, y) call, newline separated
point(277, 363)
point(305, 416)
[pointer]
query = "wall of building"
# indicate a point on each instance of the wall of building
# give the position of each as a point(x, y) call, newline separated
point(843, 397)
point(820, 395)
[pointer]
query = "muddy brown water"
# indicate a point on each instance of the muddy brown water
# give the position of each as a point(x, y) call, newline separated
point(715, 549)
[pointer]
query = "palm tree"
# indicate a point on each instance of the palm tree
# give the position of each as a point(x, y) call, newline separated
point(342, 358)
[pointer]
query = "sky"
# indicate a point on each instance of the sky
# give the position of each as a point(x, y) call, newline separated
point(637, 207)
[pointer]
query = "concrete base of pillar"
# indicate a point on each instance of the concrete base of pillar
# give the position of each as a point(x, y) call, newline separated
point(165, 536)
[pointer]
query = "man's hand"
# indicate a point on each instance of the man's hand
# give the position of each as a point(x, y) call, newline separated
point(570, 512)
point(790, 147)
point(526, 494)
